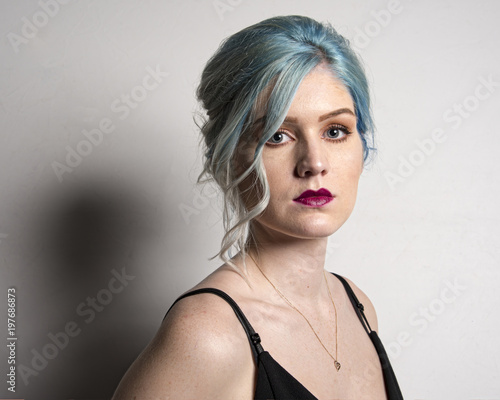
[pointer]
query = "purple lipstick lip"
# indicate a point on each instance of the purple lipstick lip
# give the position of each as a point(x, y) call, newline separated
point(315, 199)
point(311, 193)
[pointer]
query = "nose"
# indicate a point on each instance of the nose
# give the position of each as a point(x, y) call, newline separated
point(312, 158)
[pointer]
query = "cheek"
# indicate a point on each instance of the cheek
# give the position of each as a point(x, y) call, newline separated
point(354, 168)
point(354, 158)
point(276, 169)
point(353, 173)
point(348, 169)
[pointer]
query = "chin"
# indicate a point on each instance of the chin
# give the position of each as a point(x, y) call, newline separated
point(322, 225)
point(318, 232)
point(307, 230)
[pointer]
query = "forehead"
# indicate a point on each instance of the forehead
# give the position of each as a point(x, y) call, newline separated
point(321, 91)
point(319, 87)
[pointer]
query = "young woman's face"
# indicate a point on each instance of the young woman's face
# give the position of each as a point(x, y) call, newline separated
point(317, 148)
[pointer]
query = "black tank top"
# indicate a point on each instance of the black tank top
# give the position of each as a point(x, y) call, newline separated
point(273, 381)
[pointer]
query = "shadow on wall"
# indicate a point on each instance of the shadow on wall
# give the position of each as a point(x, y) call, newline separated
point(81, 281)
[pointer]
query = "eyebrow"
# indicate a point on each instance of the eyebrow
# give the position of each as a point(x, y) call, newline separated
point(321, 118)
point(337, 112)
point(325, 116)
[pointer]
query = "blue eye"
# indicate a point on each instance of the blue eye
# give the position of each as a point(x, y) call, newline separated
point(337, 132)
point(334, 132)
point(278, 138)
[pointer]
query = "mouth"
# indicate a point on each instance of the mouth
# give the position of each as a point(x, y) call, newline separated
point(314, 198)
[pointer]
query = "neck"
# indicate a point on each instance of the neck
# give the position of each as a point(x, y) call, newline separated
point(294, 265)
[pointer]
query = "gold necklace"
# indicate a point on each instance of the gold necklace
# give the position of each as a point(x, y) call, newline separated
point(336, 363)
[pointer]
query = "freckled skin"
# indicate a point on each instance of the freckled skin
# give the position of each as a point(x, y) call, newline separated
point(201, 350)
point(308, 160)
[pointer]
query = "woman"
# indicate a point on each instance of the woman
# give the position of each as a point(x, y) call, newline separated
point(287, 132)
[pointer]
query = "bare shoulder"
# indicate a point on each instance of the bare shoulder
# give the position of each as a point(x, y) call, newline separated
point(370, 313)
point(200, 351)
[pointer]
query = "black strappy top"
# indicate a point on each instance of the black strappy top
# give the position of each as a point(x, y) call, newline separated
point(273, 381)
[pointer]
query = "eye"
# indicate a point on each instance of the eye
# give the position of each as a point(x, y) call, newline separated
point(337, 132)
point(279, 137)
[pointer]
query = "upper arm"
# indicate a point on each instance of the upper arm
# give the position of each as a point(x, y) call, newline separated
point(198, 353)
point(369, 311)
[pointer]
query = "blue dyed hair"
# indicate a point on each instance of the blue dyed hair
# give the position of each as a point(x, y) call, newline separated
point(271, 57)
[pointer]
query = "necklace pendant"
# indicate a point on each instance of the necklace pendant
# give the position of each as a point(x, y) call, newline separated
point(337, 365)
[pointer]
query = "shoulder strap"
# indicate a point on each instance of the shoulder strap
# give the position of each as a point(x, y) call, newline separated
point(390, 381)
point(358, 307)
point(253, 336)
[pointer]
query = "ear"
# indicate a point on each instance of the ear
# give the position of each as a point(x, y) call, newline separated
point(362, 153)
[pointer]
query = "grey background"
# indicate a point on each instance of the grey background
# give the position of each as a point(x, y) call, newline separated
point(425, 221)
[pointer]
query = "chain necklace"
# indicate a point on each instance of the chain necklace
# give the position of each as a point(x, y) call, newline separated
point(336, 363)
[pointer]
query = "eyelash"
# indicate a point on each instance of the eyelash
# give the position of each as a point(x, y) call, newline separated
point(346, 131)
